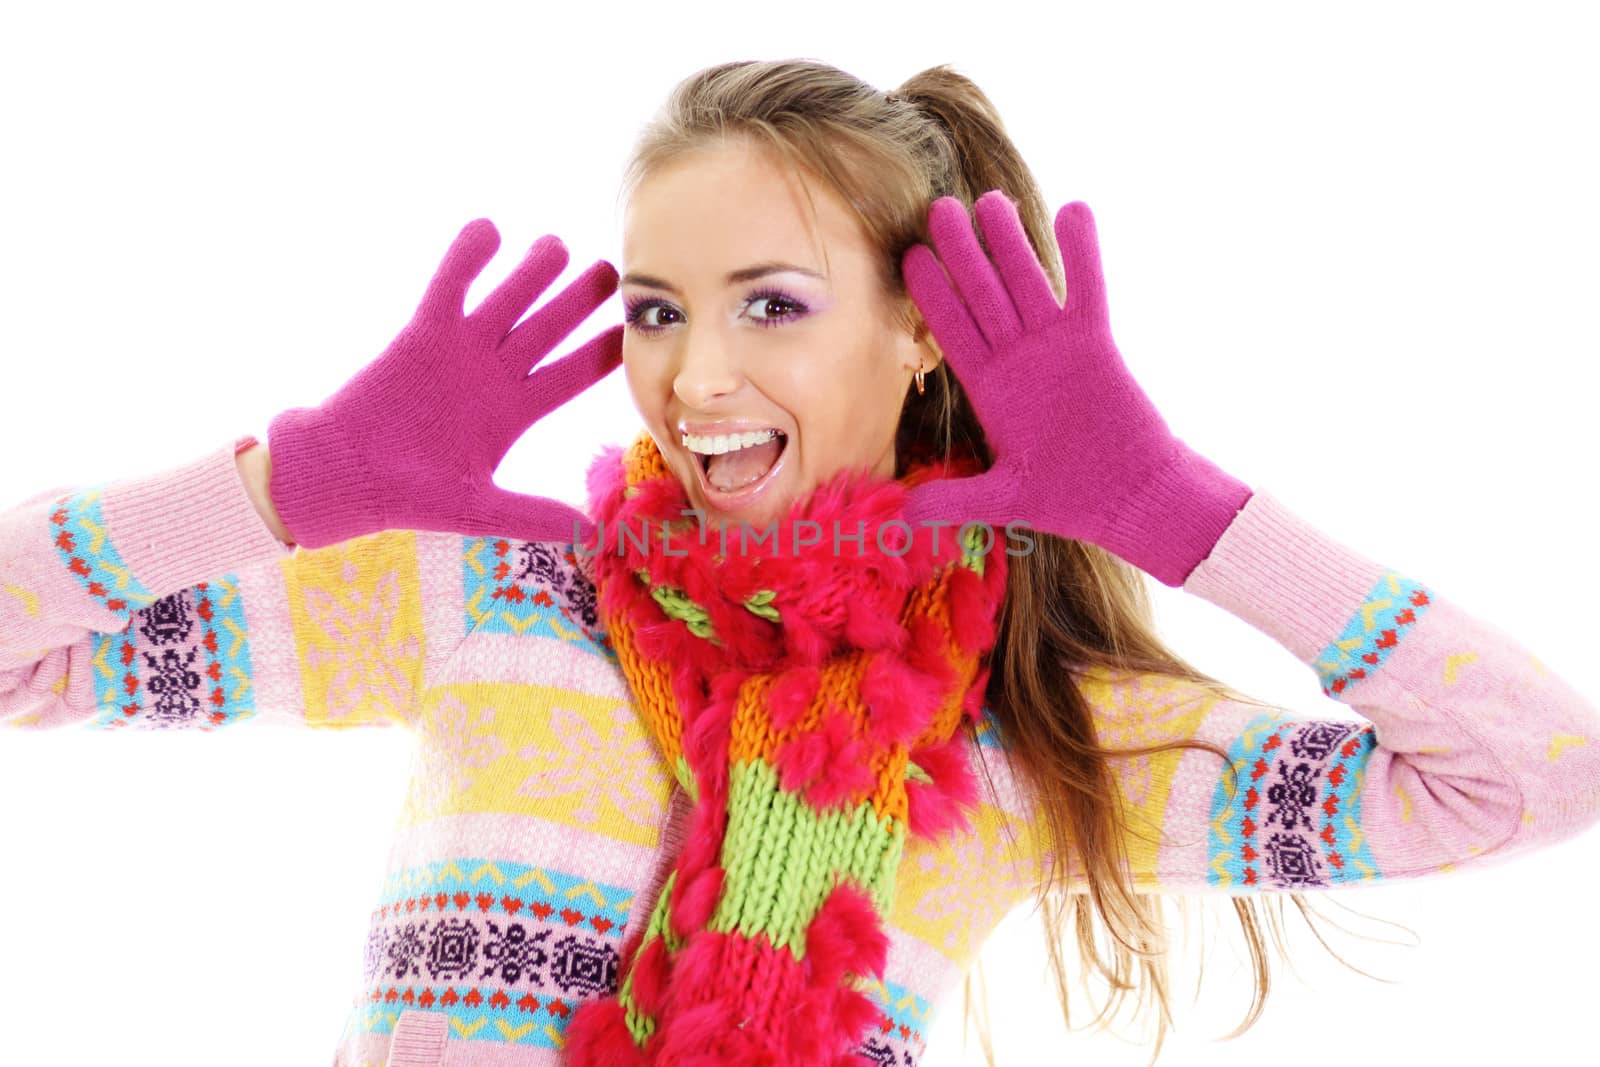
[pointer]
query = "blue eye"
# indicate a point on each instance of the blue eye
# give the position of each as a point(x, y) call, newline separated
point(765, 298)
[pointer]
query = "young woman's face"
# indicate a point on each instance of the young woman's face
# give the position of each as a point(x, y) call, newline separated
point(738, 326)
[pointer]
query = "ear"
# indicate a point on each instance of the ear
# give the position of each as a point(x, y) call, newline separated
point(916, 348)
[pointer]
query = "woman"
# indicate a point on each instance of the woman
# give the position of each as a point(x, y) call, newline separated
point(580, 848)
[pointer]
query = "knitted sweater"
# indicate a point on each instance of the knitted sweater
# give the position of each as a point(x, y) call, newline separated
point(539, 817)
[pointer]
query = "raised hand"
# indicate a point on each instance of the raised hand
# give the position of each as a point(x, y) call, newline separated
point(413, 440)
point(1080, 451)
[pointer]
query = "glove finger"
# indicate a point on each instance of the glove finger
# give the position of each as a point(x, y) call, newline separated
point(501, 513)
point(950, 229)
point(472, 249)
point(1016, 260)
point(542, 265)
point(532, 340)
point(553, 385)
point(1080, 255)
point(963, 345)
point(977, 498)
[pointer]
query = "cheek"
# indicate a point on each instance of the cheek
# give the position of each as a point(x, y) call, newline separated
point(848, 413)
point(644, 383)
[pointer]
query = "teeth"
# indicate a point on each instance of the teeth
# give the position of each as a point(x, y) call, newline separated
point(715, 445)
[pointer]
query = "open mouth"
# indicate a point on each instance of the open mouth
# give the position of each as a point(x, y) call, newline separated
point(735, 465)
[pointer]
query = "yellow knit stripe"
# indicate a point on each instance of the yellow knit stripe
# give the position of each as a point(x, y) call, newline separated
point(651, 683)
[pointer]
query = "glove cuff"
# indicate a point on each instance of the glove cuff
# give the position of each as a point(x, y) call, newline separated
point(1174, 520)
point(321, 486)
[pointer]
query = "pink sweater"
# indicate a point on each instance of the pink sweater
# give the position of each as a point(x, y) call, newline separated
point(538, 809)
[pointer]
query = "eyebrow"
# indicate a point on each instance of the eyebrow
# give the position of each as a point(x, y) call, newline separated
point(743, 274)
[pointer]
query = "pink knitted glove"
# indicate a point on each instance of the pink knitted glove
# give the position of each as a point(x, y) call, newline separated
point(412, 441)
point(1080, 451)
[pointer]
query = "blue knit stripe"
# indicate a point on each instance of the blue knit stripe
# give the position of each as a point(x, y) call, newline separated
point(183, 662)
point(530, 587)
point(87, 551)
point(507, 951)
point(908, 1016)
point(1390, 609)
point(1292, 820)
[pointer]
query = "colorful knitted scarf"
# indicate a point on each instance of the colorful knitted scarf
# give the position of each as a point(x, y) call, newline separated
point(808, 698)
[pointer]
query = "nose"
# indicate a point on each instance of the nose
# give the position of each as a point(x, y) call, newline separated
point(709, 369)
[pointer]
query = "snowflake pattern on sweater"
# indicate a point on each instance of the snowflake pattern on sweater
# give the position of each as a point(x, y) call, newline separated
point(532, 832)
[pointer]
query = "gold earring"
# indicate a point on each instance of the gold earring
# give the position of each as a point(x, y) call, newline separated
point(920, 387)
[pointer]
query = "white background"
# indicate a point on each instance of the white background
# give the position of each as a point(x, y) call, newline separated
point(1350, 254)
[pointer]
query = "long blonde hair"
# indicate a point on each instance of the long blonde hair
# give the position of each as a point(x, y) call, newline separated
point(1069, 604)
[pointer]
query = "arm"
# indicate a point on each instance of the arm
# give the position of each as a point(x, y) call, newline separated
point(255, 471)
point(1468, 749)
point(1463, 749)
point(166, 601)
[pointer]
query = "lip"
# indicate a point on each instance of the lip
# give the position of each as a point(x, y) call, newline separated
point(751, 496)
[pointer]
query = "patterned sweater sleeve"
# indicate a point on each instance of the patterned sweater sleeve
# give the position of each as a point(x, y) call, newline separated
point(1464, 750)
point(163, 601)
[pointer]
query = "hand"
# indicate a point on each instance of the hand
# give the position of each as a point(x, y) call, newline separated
point(412, 441)
point(1080, 451)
